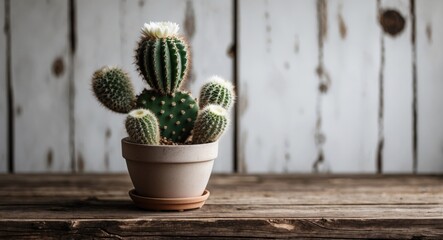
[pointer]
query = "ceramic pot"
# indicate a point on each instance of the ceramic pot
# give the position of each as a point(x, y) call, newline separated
point(169, 171)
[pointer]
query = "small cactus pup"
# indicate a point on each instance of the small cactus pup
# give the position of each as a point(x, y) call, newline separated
point(211, 123)
point(217, 91)
point(162, 56)
point(142, 127)
point(112, 87)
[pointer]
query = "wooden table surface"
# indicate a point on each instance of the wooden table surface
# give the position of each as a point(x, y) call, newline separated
point(266, 206)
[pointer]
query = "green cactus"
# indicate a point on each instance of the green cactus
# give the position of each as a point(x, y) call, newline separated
point(113, 89)
point(142, 127)
point(176, 113)
point(165, 114)
point(210, 124)
point(217, 91)
point(163, 62)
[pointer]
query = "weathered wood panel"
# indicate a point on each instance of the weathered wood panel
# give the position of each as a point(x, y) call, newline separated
point(429, 35)
point(225, 228)
point(40, 66)
point(396, 147)
point(349, 85)
point(4, 144)
point(256, 206)
point(107, 33)
point(98, 42)
point(278, 104)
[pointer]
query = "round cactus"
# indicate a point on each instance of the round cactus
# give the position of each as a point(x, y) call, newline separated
point(162, 57)
point(142, 127)
point(210, 124)
point(217, 91)
point(113, 89)
point(176, 113)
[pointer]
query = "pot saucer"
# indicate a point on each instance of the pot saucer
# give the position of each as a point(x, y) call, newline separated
point(177, 204)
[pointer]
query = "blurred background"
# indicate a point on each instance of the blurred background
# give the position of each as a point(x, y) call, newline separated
point(335, 86)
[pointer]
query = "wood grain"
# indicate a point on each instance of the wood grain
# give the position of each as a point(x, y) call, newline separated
point(350, 102)
point(108, 32)
point(4, 102)
point(277, 86)
point(40, 65)
point(255, 206)
point(430, 75)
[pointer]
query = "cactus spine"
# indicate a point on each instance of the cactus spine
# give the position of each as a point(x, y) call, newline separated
point(113, 89)
point(162, 58)
point(142, 127)
point(210, 124)
point(217, 91)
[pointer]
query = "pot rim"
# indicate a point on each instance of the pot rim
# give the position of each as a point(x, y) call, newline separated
point(161, 154)
point(126, 141)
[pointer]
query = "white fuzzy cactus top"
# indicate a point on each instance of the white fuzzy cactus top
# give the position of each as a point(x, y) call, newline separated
point(160, 29)
point(221, 81)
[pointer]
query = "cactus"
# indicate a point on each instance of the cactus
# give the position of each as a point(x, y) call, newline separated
point(176, 113)
point(210, 124)
point(217, 91)
point(142, 127)
point(162, 57)
point(113, 89)
point(165, 114)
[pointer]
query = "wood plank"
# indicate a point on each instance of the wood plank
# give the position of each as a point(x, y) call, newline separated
point(40, 66)
point(226, 228)
point(351, 61)
point(4, 103)
point(125, 209)
point(397, 147)
point(107, 34)
point(97, 131)
point(240, 206)
point(429, 74)
point(238, 189)
point(277, 86)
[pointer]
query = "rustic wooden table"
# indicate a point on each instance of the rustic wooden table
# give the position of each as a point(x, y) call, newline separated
point(265, 206)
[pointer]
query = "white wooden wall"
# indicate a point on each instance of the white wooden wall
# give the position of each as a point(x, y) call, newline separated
point(322, 86)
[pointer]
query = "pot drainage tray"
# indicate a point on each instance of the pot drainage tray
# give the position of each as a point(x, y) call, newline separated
point(177, 204)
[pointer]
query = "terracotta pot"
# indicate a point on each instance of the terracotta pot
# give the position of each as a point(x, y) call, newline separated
point(169, 171)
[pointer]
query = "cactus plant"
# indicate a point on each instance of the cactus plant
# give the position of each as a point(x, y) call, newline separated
point(162, 57)
point(165, 114)
point(210, 124)
point(113, 89)
point(217, 91)
point(176, 113)
point(142, 127)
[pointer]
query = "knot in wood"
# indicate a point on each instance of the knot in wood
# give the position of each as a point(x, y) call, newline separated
point(392, 22)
